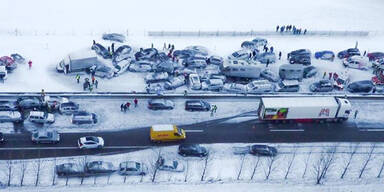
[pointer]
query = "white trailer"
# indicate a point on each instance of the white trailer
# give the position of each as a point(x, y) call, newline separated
point(77, 61)
point(304, 109)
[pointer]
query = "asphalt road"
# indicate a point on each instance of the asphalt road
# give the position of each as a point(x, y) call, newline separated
point(19, 146)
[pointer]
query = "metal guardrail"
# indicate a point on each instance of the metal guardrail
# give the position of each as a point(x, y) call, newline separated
point(182, 95)
point(253, 33)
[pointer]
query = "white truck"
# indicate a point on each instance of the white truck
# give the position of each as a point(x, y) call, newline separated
point(77, 61)
point(317, 109)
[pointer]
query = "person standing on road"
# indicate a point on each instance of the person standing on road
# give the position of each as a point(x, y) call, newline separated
point(330, 76)
point(325, 74)
point(277, 28)
point(122, 107)
point(90, 88)
point(271, 49)
point(113, 48)
point(127, 105)
point(267, 63)
point(78, 78)
point(279, 55)
point(214, 108)
point(96, 83)
point(356, 112)
point(30, 64)
point(135, 101)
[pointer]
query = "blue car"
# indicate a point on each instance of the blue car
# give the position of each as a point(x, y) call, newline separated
point(325, 55)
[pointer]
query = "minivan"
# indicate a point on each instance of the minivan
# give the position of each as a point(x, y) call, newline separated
point(163, 133)
point(288, 86)
point(68, 108)
point(83, 117)
point(41, 117)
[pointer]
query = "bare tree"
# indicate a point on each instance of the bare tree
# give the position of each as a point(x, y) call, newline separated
point(255, 167)
point(367, 160)
point(270, 166)
point(83, 162)
point(207, 159)
point(290, 162)
point(381, 170)
point(306, 163)
point(353, 149)
point(186, 171)
point(23, 168)
point(153, 162)
point(9, 172)
point(242, 158)
point(37, 169)
point(323, 164)
point(54, 174)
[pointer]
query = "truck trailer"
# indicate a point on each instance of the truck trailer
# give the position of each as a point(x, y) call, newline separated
point(78, 61)
point(318, 109)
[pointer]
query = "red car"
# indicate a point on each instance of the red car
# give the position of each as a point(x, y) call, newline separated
point(8, 62)
point(375, 56)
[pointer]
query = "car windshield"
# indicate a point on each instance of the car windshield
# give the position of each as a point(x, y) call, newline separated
point(235, 54)
point(179, 131)
point(138, 166)
point(95, 139)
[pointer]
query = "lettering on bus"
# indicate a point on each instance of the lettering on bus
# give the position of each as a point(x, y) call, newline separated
point(324, 112)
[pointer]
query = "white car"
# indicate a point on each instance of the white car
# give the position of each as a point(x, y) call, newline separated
point(260, 86)
point(132, 168)
point(194, 82)
point(243, 54)
point(357, 62)
point(90, 142)
point(235, 88)
point(41, 117)
point(169, 165)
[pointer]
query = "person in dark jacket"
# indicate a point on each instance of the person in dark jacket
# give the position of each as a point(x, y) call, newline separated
point(113, 48)
point(122, 107)
point(267, 63)
point(271, 49)
point(135, 101)
point(279, 55)
point(277, 28)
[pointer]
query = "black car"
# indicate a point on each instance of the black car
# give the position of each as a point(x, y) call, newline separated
point(197, 105)
point(121, 53)
point(322, 86)
point(301, 56)
point(360, 86)
point(101, 50)
point(69, 169)
point(299, 52)
point(160, 104)
point(348, 53)
point(149, 54)
point(2, 140)
point(8, 106)
point(194, 150)
point(29, 102)
point(263, 150)
point(309, 71)
point(18, 58)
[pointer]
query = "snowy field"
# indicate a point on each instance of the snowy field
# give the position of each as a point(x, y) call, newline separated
point(295, 167)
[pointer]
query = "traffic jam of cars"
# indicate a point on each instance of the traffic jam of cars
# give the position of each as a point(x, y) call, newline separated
point(246, 71)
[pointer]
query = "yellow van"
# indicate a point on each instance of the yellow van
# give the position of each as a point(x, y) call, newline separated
point(163, 133)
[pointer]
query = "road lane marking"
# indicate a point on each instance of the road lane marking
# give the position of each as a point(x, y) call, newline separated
point(194, 131)
point(56, 148)
point(286, 130)
point(377, 130)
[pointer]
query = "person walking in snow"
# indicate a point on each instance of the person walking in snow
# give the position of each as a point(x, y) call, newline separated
point(267, 63)
point(135, 101)
point(94, 42)
point(214, 108)
point(164, 47)
point(113, 48)
point(325, 73)
point(305, 31)
point(30, 64)
point(90, 88)
point(277, 28)
point(125, 108)
point(96, 83)
point(271, 49)
point(356, 112)
point(365, 52)
point(122, 107)
point(78, 78)
point(330, 76)
point(127, 105)
point(279, 55)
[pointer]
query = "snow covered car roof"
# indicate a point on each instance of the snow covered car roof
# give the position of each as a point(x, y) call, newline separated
point(298, 102)
point(163, 127)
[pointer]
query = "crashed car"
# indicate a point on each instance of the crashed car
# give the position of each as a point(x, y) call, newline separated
point(249, 45)
point(375, 56)
point(309, 71)
point(357, 62)
point(195, 63)
point(269, 75)
point(155, 87)
point(348, 53)
point(165, 66)
point(243, 54)
point(215, 60)
point(101, 50)
point(121, 53)
point(146, 54)
point(141, 66)
point(104, 72)
point(18, 58)
point(156, 77)
point(321, 86)
point(8, 62)
point(197, 50)
point(169, 165)
point(175, 82)
point(260, 42)
point(235, 88)
point(260, 86)
point(183, 54)
point(212, 85)
point(364, 86)
point(69, 169)
point(265, 57)
point(325, 55)
point(114, 37)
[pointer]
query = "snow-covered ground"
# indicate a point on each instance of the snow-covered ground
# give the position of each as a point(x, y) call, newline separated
point(222, 172)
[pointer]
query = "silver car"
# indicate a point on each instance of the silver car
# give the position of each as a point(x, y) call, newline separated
point(235, 88)
point(10, 116)
point(169, 165)
point(45, 136)
point(132, 168)
point(155, 77)
point(260, 86)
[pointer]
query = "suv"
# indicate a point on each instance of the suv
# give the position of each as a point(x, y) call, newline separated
point(10, 116)
point(288, 86)
point(83, 117)
point(99, 167)
point(301, 56)
point(195, 150)
point(68, 108)
point(41, 117)
point(197, 105)
point(44, 136)
point(322, 86)
point(7, 106)
point(158, 104)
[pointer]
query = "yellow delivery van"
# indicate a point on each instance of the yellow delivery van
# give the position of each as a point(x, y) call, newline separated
point(164, 133)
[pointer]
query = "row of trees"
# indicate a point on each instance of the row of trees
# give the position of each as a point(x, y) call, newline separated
point(316, 165)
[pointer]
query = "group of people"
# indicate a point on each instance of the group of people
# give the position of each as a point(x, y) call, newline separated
point(290, 28)
point(87, 84)
point(125, 106)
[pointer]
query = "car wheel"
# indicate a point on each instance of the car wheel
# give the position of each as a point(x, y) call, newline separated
point(99, 147)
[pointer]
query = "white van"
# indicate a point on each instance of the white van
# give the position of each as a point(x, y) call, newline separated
point(194, 81)
point(41, 117)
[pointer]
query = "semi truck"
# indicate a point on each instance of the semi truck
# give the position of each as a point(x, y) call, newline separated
point(303, 109)
point(78, 61)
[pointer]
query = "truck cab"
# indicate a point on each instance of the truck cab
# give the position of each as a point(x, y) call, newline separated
point(345, 108)
point(164, 133)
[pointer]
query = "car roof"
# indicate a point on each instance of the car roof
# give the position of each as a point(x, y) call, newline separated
point(163, 127)
point(36, 113)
